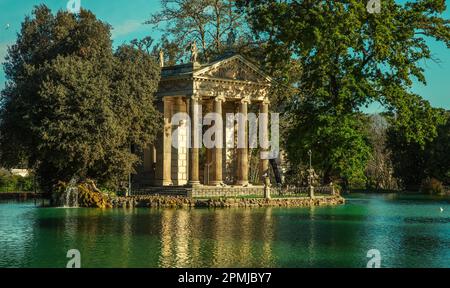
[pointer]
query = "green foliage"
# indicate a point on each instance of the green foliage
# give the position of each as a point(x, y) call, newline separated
point(414, 162)
point(438, 164)
point(15, 183)
point(8, 182)
point(432, 186)
point(349, 58)
point(339, 147)
point(71, 106)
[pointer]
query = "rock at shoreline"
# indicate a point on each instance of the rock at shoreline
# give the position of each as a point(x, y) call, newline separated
point(91, 197)
point(84, 194)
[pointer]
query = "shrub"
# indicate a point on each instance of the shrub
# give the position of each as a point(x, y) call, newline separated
point(432, 186)
point(15, 183)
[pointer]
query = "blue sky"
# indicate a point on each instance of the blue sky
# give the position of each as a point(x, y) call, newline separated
point(127, 16)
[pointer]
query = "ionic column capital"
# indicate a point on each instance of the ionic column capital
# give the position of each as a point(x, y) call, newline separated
point(220, 97)
point(167, 99)
point(245, 100)
point(195, 97)
point(265, 101)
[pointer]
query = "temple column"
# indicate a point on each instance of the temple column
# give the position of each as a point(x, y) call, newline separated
point(195, 141)
point(264, 134)
point(164, 156)
point(242, 150)
point(218, 138)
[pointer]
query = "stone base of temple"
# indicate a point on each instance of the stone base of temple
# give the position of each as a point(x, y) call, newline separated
point(157, 201)
point(193, 184)
point(201, 191)
point(166, 183)
point(242, 183)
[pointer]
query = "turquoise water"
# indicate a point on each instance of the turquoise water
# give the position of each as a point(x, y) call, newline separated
point(409, 231)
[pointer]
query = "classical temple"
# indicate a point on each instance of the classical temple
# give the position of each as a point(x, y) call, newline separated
point(230, 84)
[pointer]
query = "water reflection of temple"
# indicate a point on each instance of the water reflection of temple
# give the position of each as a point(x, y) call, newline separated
point(196, 238)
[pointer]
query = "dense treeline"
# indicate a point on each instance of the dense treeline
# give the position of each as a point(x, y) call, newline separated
point(350, 58)
point(73, 106)
point(425, 166)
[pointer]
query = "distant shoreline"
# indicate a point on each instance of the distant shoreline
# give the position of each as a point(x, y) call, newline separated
point(405, 192)
point(23, 195)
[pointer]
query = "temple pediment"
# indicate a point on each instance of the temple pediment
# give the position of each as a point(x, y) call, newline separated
point(233, 68)
point(234, 77)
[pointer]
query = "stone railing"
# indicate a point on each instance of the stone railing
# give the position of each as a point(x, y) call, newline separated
point(302, 191)
point(230, 191)
point(237, 191)
point(202, 191)
point(294, 191)
point(169, 191)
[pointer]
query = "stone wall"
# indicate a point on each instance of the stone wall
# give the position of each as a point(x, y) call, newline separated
point(228, 191)
point(202, 191)
point(185, 202)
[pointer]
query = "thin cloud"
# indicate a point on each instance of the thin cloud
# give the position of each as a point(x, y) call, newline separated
point(126, 28)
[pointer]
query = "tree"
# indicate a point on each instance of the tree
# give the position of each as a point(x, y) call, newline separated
point(412, 162)
point(350, 58)
point(72, 107)
point(207, 22)
point(340, 147)
point(379, 169)
point(438, 165)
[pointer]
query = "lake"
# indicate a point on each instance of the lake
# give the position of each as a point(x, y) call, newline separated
point(407, 230)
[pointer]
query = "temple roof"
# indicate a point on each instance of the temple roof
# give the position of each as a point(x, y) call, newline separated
point(228, 66)
point(233, 77)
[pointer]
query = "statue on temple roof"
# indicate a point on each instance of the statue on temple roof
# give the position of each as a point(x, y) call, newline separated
point(194, 52)
point(161, 58)
point(231, 39)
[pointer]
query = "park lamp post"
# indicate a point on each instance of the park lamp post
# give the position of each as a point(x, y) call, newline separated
point(310, 176)
point(310, 158)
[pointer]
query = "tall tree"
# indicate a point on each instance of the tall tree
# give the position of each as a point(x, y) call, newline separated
point(207, 22)
point(350, 58)
point(379, 170)
point(413, 162)
point(438, 165)
point(72, 107)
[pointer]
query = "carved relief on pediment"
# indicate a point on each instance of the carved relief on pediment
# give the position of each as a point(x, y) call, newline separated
point(230, 90)
point(233, 70)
